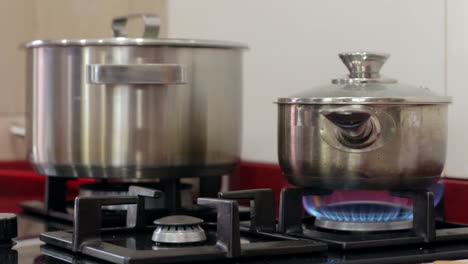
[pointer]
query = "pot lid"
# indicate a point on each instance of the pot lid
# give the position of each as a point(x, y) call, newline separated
point(151, 25)
point(365, 85)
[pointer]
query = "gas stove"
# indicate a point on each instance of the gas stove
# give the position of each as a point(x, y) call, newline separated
point(291, 237)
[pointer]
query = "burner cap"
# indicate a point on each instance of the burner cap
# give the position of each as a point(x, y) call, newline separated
point(178, 229)
point(363, 226)
point(178, 220)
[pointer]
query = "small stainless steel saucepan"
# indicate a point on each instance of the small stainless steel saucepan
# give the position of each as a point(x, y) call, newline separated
point(363, 131)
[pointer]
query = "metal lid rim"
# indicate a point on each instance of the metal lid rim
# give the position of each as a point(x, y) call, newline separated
point(135, 42)
point(366, 100)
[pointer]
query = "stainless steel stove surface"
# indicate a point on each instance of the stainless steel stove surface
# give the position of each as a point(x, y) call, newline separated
point(260, 240)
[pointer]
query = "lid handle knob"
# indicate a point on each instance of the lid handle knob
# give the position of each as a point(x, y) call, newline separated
point(364, 67)
point(151, 24)
point(364, 64)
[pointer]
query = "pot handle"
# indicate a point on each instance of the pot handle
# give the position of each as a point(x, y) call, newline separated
point(355, 127)
point(17, 130)
point(163, 74)
point(347, 119)
point(151, 24)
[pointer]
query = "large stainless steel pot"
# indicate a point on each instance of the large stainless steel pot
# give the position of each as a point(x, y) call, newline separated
point(363, 132)
point(134, 107)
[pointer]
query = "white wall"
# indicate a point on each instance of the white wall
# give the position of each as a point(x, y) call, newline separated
point(294, 46)
point(457, 86)
point(16, 18)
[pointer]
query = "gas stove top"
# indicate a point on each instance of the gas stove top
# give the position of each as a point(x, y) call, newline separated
point(176, 238)
point(30, 250)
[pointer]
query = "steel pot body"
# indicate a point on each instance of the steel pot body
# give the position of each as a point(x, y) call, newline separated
point(126, 110)
point(364, 131)
point(407, 152)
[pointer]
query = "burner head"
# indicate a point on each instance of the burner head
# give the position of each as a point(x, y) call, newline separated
point(360, 211)
point(178, 229)
point(363, 226)
point(364, 210)
point(364, 216)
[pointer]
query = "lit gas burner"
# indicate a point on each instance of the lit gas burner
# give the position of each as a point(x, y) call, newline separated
point(364, 216)
point(178, 229)
point(365, 211)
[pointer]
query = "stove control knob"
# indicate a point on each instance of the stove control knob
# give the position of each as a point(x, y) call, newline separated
point(8, 227)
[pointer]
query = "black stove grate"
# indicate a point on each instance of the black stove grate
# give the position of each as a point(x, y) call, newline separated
point(423, 229)
point(56, 207)
point(132, 244)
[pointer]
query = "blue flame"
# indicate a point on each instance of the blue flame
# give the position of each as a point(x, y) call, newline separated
point(364, 206)
point(359, 206)
point(360, 211)
point(438, 191)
